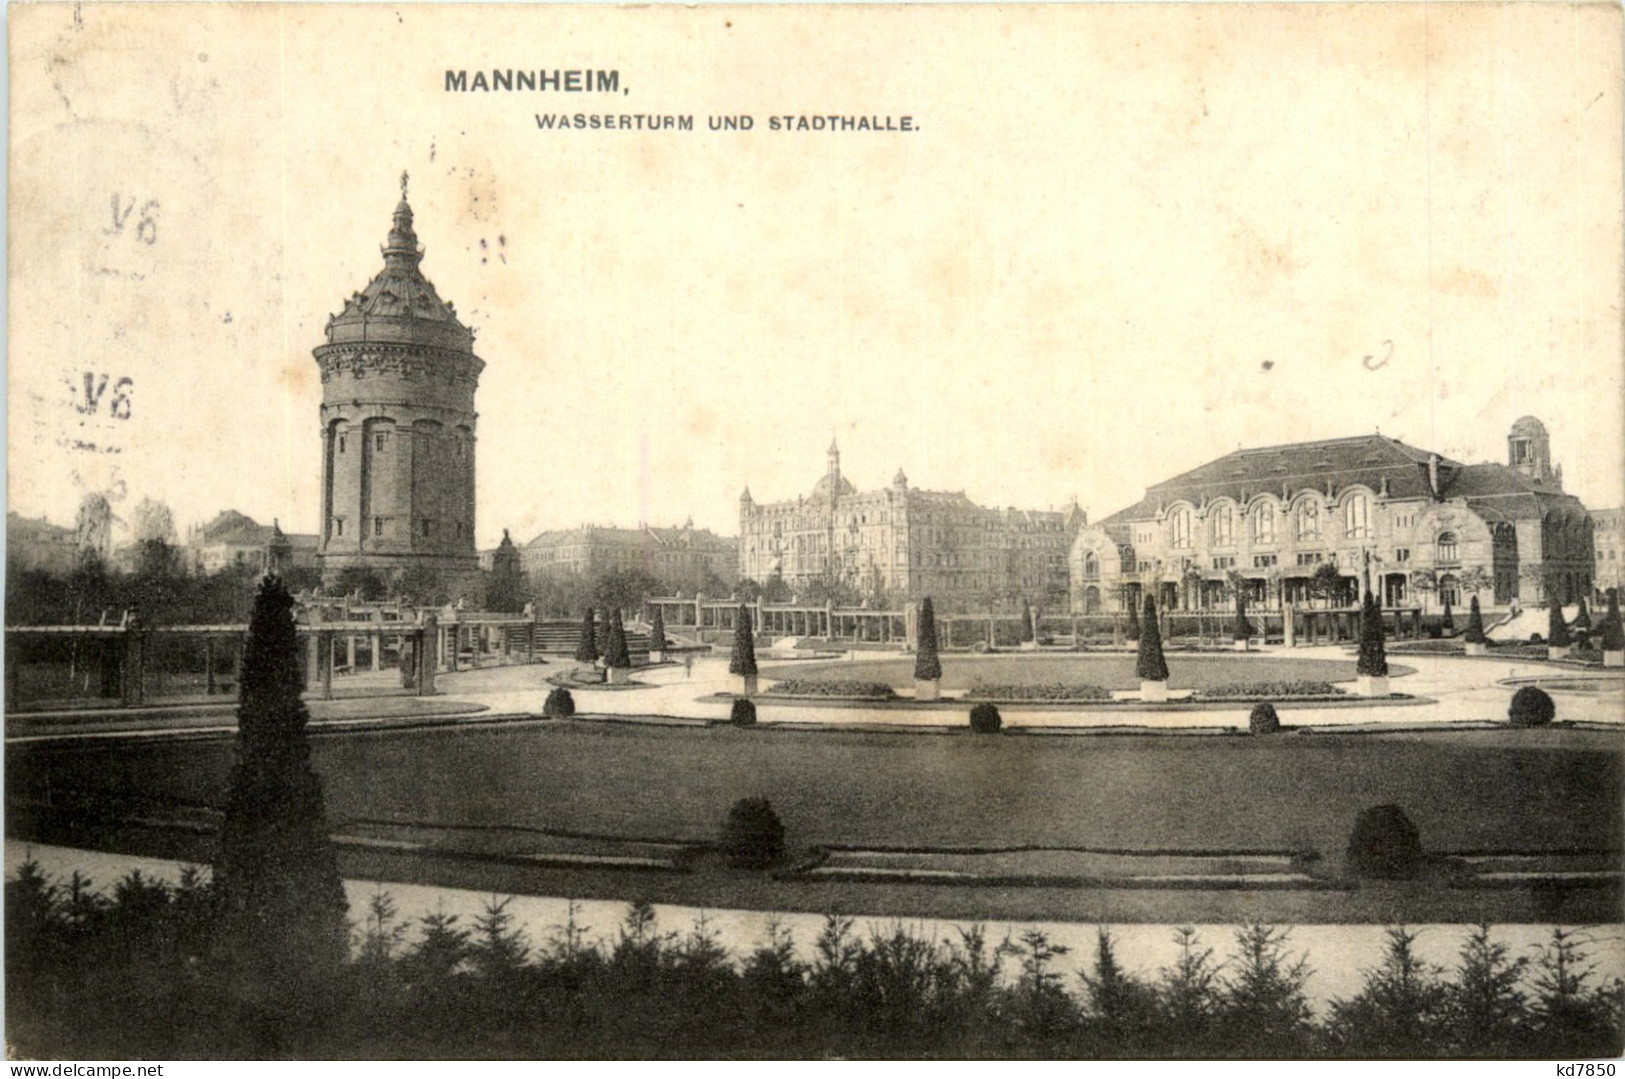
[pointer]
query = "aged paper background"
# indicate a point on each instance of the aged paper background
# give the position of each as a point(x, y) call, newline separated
point(1123, 240)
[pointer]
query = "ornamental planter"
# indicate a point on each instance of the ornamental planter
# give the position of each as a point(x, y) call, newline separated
point(745, 685)
point(1557, 652)
point(1155, 692)
point(1241, 645)
point(617, 676)
point(926, 689)
point(657, 656)
point(1373, 685)
point(1614, 659)
point(1477, 649)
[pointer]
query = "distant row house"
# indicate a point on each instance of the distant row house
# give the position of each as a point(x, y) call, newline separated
point(676, 556)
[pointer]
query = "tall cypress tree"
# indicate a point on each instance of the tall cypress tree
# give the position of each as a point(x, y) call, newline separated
point(1151, 666)
point(280, 928)
point(615, 654)
point(1133, 631)
point(1373, 654)
point(1557, 630)
point(743, 660)
point(1475, 623)
point(927, 665)
point(587, 647)
point(1582, 619)
point(1613, 633)
point(1243, 629)
point(1026, 621)
point(657, 631)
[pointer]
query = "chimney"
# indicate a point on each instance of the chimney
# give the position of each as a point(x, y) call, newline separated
point(1433, 474)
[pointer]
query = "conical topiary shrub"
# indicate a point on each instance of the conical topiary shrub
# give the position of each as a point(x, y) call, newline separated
point(1242, 630)
point(1028, 638)
point(927, 664)
point(1384, 845)
point(1150, 666)
point(587, 646)
point(617, 660)
point(1474, 637)
point(1613, 633)
point(742, 664)
point(1557, 632)
point(279, 920)
point(1448, 622)
point(657, 636)
point(1372, 666)
point(1132, 633)
point(1582, 618)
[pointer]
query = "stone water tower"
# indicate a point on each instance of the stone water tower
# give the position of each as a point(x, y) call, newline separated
point(398, 421)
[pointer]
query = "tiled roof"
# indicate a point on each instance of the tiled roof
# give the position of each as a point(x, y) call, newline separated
point(631, 537)
point(1332, 465)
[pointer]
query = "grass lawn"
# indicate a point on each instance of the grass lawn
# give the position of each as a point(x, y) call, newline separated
point(1115, 671)
point(1495, 790)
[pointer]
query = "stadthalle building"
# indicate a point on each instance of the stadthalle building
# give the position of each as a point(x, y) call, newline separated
point(905, 543)
point(1414, 527)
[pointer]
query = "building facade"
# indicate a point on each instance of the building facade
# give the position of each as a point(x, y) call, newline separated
point(902, 543)
point(399, 375)
point(1608, 541)
point(681, 558)
point(1413, 527)
point(234, 540)
point(35, 544)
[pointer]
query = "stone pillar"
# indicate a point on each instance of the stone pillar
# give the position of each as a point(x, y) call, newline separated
point(208, 666)
point(426, 655)
point(324, 657)
point(133, 669)
point(313, 673)
point(1289, 631)
point(377, 650)
point(349, 651)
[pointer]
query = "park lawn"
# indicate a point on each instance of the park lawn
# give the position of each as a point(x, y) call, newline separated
point(1113, 671)
point(1491, 790)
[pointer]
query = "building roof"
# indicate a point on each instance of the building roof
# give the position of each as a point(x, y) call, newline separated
point(401, 292)
point(1382, 464)
point(673, 538)
point(821, 489)
point(230, 528)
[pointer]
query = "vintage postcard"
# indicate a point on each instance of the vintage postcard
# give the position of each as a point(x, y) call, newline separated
point(1069, 531)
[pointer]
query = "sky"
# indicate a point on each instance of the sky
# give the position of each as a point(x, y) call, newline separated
point(1121, 241)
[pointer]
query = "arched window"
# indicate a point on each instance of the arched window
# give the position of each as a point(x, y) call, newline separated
point(1180, 529)
point(1309, 520)
point(1264, 523)
point(1091, 565)
point(1223, 527)
point(1354, 517)
point(1447, 548)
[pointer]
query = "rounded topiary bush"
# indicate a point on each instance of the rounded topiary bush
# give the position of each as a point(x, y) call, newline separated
point(1531, 707)
point(1384, 845)
point(744, 712)
point(1263, 720)
point(985, 719)
point(752, 834)
point(559, 704)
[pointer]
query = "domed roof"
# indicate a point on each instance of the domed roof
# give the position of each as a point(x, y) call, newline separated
point(822, 488)
point(402, 295)
point(1528, 426)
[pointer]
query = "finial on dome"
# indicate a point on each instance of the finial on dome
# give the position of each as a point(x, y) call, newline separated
point(404, 178)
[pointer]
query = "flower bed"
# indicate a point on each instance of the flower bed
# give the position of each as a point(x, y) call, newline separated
point(1056, 691)
point(1269, 690)
point(817, 687)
